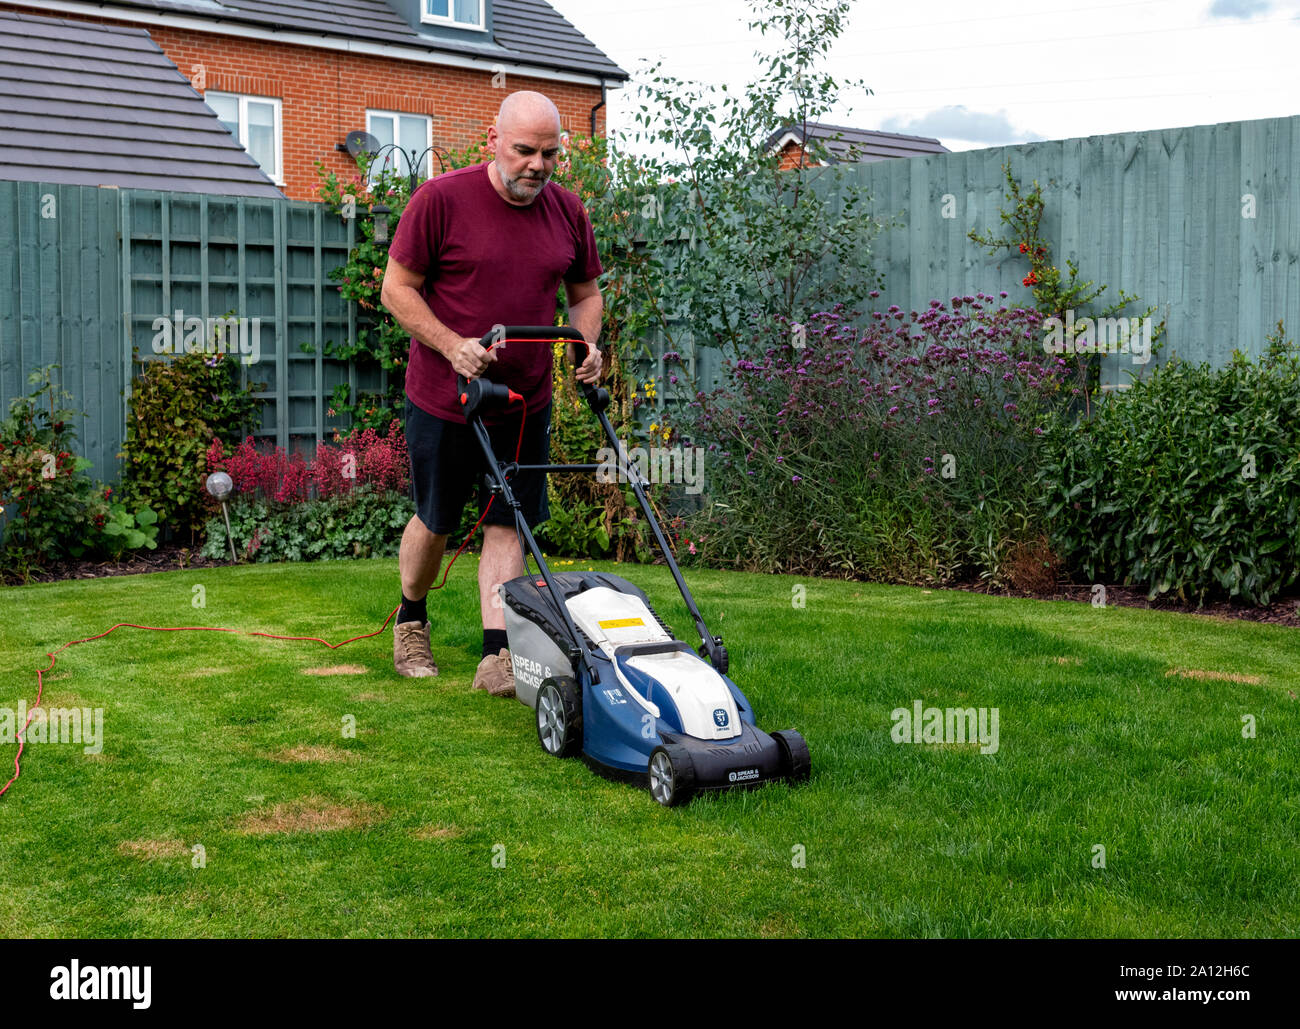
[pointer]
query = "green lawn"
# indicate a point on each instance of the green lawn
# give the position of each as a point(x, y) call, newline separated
point(225, 742)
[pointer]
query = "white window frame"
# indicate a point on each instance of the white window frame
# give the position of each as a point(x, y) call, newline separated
point(427, 171)
point(242, 138)
point(434, 19)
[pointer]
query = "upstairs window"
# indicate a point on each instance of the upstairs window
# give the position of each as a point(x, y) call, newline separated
point(465, 14)
point(255, 122)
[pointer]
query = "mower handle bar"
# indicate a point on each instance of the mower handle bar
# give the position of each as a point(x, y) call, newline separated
point(541, 334)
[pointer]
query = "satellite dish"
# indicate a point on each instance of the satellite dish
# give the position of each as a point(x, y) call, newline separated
point(361, 142)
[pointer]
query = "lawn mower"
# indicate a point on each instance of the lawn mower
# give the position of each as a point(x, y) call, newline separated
point(606, 677)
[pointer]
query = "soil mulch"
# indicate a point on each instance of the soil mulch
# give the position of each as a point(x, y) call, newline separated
point(1282, 611)
point(169, 557)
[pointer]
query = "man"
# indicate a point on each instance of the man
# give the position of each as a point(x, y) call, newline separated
point(475, 248)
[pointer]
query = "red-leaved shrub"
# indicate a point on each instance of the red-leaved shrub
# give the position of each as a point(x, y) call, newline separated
point(360, 457)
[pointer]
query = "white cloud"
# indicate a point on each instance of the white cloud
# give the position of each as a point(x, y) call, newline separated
point(959, 122)
point(1239, 8)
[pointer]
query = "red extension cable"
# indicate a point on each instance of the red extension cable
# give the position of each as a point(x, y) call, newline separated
point(41, 673)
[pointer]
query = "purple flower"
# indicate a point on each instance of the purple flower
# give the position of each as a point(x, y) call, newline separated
point(796, 478)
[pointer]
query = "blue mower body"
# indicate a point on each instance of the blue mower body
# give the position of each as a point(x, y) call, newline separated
point(651, 695)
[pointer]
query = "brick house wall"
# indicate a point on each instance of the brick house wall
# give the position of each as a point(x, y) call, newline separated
point(793, 156)
point(325, 94)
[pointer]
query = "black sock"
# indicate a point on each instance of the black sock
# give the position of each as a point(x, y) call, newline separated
point(413, 610)
point(494, 641)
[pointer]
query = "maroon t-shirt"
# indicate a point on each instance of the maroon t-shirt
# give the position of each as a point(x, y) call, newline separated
point(487, 262)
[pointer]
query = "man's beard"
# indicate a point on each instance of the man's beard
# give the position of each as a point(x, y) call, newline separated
point(516, 188)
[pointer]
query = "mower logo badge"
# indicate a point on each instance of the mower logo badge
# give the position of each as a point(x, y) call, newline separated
point(615, 696)
point(720, 718)
point(744, 775)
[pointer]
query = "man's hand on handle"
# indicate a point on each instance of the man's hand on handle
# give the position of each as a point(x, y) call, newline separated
point(469, 357)
point(590, 369)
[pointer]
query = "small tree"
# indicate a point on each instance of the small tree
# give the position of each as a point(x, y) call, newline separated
point(737, 247)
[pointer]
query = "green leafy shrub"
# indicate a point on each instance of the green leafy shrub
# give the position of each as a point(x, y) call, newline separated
point(178, 406)
point(576, 530)
point(54, 512)
point(44, 492)
point(363, 523)
point(124, 530)
point(1186, 483)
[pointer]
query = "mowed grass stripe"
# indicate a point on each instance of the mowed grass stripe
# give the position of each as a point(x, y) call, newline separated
point(442, 816)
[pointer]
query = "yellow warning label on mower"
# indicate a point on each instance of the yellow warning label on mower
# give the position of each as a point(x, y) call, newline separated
point(620, 623)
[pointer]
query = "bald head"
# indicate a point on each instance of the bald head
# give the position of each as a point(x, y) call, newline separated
point(525, 142)
point(527, 111)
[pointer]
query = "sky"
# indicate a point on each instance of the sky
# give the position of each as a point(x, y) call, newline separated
point(995, 73)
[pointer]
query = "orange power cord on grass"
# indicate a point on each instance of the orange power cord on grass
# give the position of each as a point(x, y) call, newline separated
point(42, 672)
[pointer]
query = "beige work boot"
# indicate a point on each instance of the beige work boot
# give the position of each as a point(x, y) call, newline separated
point(412, 655)
point(496, 674)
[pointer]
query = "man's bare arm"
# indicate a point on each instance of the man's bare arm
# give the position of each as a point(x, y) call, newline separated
point(585, 308)
point(401, 295)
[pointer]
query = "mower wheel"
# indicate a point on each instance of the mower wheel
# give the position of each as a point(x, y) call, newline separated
point(796, 762)
point(559, 717)
point(672, 775)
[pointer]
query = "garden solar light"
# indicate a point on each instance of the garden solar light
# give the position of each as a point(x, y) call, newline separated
point(220, 485)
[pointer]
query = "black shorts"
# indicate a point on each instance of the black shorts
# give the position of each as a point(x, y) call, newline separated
point(447, 463)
